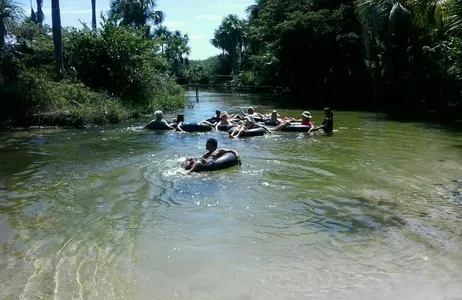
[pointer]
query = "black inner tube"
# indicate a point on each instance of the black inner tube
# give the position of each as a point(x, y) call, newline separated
point(272, 122)
point(250, 132)
point(196, 127)
point(225, 161)
point(225, 127)
point(296, 128)
point(157, 126)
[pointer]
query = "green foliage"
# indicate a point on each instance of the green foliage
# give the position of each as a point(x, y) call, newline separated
point(111, 74)
point(119, 60)
point(349, 54)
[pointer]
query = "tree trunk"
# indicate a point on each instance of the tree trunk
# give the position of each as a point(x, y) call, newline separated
point(2, 33)
point(57, 36)
point(93, 14)
point(39, 13)
point(234, 58)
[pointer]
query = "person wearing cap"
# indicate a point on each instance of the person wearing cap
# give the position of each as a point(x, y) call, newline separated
point(213, 153)
point(159, 122)
point(224, 120)
point(248, 123)
point(305, 120)
point(328, 122)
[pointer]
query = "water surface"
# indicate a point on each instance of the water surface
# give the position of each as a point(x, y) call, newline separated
point(105, 212)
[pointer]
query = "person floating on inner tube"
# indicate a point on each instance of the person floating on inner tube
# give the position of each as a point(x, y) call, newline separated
point(328, 122)
point(178, 122)
point(248, 123)
point(251, 112)
point(306, 120)
point(224, 120)
point(213, 120)
point(213, 153)
point(159, 122)
point(273, 119)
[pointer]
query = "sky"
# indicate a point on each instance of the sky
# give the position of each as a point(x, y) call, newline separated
point(198, 18)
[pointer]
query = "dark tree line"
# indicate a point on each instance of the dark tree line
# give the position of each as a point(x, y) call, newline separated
point(365, 54)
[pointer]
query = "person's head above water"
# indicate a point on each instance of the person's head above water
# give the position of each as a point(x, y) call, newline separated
point(218, 112)
point(274, 115)
point(158, 115)
point(307, 115)
point(250, 110)
point(180, 118)
point(211, 145)
point(224, 115)
point(328, 112)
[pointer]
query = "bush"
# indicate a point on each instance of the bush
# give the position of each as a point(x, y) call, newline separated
point(121, 61)
point(110, 76)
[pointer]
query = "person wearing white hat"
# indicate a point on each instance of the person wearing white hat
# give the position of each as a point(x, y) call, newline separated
point(224, 120)
point(249, 123)
point(305, 120)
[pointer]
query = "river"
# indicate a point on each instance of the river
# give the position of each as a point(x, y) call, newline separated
point(106, 213)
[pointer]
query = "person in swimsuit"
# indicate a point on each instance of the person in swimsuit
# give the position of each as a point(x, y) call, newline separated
point(159, 122)
point(306, 120)
point(248, 123)
point(251, 112)
point(328, 122)
point(213, 153)
point(213, 120)
point(224, 120)
point(178, 122)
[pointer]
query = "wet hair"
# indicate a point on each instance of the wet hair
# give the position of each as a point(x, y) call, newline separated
point(250, 110)
point(180, 118)
point(218, 112)
point(213, 142)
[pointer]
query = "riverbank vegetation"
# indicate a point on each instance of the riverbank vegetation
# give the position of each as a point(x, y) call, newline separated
point(99, 74)
point(365, 54)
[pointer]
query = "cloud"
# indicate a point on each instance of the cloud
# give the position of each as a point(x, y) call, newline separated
point(197, 37)
point(174, 24)
point(209, 17)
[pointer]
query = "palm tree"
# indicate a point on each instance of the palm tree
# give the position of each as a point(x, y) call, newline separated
point(57, 36)
point(11, 14)
point(163, 34)
point(177, 50)
point(33, 15)
point(136, 13)
point(93, 14)
point(40, 16)
point(229, 37)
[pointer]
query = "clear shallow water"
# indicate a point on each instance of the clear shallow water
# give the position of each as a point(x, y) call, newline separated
point(105, 213)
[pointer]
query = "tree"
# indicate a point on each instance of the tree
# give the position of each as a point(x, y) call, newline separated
point(40, 16)
point(163, 34)
point(57, 36)
point(93, 14)
point(11, 14)
point(177, 50)
point(229, 37)
point(136, 13)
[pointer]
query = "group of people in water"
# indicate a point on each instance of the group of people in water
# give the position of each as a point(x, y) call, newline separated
point(249, 120)
point(239, 125)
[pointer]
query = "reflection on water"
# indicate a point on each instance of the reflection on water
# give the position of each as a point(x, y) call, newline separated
point(105, 213)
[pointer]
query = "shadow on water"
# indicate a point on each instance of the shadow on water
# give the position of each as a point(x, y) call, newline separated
point(347, 215)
